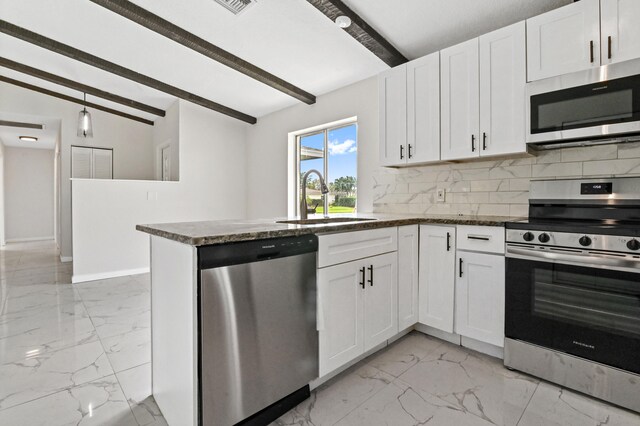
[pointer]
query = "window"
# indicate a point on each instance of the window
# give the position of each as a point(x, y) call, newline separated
point(333, 152)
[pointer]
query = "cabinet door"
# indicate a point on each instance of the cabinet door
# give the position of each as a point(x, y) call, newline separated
point(407, 276)
point(460, 104)
point(480, 297)
point(620, 30)
point(392, 96)
point(437, 276)
point(380, 299)
point(340, 315)
point(503, 72)
point(564, 40)
point(423, 109)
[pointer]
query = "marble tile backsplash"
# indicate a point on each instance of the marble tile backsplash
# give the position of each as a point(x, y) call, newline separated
point(494, 187)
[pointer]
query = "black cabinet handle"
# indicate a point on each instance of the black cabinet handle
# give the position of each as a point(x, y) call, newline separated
point(478, 237)
point(448, 241)
point(460, 267)
point(473, 143)
point(370, 275)
point(484, 141)
point(402, 152)
point(362, 271)
point(609, 46)
point(591, 51)
point(409, 150)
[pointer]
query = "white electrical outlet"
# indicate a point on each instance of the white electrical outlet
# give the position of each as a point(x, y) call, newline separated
point(441, 194)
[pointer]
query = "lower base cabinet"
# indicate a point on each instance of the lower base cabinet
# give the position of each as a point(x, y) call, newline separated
point(357, 308)
point(480, 297)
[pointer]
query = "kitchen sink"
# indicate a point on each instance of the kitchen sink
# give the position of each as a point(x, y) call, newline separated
point(324, 220)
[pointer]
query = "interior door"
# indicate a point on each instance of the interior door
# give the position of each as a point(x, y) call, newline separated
point(340, 314)
point(564, 40)
point(480, 297)
point(392, 93)
point(380, 299)
point(620, 30)
point(460, 106)
point(102, 164)
point(503, 69)
point(423, 109)
point(437, 276)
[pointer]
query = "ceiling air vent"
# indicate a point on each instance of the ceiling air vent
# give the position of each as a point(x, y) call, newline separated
point(235, 6)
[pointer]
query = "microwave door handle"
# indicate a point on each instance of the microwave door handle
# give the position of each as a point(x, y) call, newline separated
point(598, 261)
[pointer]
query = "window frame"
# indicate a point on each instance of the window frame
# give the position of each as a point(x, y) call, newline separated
point(325, 172)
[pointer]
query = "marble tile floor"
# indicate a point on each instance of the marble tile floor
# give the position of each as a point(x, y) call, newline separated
point(80, 355)
point(72, 354)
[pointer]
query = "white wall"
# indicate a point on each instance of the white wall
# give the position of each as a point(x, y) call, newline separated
point(2, 239)
point(211, 187)
point(132, 142)
point(267, 146)
point(29, 194)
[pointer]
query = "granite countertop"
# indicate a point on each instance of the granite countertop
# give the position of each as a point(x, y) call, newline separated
point(227, 231)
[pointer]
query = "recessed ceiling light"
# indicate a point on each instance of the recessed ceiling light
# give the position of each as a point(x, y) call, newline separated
point(28, 138)
point(343, 21)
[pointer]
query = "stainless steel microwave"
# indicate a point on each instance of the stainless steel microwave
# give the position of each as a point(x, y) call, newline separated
point(596, 106)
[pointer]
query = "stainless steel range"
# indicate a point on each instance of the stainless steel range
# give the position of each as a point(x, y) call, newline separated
point(573, 287)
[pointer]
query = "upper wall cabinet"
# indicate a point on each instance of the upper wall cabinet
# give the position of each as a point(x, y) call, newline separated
point(392, 93)
point(582, 35)
point(620, 38)
point(483, 95)
point(409, 102)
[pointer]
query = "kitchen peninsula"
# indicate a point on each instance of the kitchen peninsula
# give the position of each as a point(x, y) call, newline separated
point(386, 244)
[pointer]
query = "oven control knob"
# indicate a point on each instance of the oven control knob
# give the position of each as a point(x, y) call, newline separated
point(528, 236)
point(633, 245)
point(544, 238)
point(585, 241)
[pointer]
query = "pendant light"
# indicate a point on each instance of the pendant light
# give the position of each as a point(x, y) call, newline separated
point(85, 126)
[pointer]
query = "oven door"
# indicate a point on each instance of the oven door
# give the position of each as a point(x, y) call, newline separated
point(587, 311)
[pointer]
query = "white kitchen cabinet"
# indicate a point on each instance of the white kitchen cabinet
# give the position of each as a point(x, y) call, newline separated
point(340, 314)
point(408, 245)
point(460, 101)
point(392, 104)
point(380, 299)
point(357, 308)
point(423, 109)
point(502, 91)
point(480, 297)
point(564, 40)
point(437, 276)
point(620, 32)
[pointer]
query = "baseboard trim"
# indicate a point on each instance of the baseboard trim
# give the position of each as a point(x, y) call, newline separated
point(29, 240)
point(106, 275)
point(66, 259)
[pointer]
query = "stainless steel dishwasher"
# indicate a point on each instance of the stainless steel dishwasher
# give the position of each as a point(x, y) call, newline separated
point(257, 330)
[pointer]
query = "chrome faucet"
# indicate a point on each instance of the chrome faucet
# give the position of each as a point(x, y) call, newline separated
point(303, 201)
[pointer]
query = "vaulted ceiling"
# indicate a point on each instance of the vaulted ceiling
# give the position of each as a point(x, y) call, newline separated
point(288, 38)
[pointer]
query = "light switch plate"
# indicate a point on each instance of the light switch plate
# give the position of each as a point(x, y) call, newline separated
point(441, 194)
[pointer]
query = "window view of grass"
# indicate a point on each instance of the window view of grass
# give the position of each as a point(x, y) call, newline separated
point(333, 152)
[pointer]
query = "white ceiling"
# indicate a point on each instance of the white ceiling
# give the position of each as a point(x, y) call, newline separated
point(288, 38)
point(10, 136)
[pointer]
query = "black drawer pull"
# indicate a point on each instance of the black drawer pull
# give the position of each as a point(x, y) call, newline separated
point(478, 237)
point(371, 275)
point(362, 271)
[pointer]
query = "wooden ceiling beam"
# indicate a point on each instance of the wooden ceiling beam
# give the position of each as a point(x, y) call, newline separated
point(163, 27)
point(359, 29)
point(89, 59)
point(74, 100)
point(20, 124)
point(72, 84)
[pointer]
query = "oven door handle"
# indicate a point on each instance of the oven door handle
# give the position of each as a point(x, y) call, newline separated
point(591, 260)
